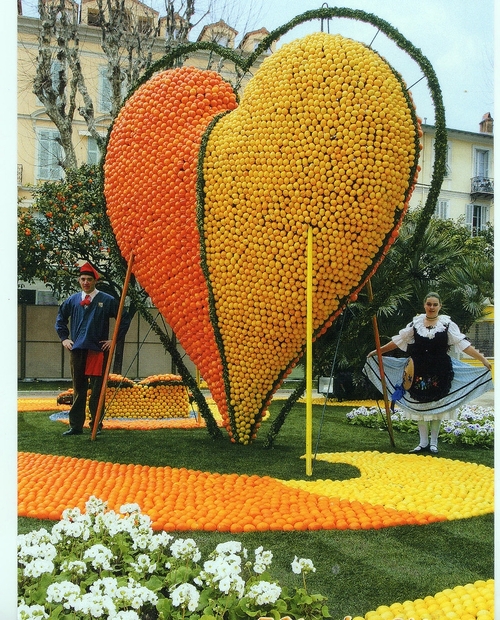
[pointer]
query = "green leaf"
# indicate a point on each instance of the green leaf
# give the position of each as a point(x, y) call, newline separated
point(154, 583)
point(164, 607)
point(180, 575)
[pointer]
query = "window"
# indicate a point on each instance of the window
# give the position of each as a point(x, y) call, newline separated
point(442, 211)
point(93, 152)
point(476, 217)
point(481, 163)
point(55, 77)
point(93, 17)
point(145, 25)
point(221, 39)
point(50, 153)
point(105, 91)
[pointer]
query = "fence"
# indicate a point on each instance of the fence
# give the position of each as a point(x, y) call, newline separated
point(41, 356)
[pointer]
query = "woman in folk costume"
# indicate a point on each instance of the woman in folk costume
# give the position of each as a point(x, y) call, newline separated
point(430, 385)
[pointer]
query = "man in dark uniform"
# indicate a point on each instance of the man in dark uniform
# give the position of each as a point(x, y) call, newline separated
point(88, 313)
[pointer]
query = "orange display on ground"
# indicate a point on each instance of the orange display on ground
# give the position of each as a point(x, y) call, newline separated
point(183, 499)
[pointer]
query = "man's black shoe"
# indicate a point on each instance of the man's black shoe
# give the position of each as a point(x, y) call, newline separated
point(73, 431)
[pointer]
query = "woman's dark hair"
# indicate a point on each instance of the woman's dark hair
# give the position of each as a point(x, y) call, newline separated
point(432, 294)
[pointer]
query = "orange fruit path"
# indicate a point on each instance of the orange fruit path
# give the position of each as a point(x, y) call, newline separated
point(183, 499)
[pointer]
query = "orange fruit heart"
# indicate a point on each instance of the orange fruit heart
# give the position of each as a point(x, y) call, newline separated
point(150, 188)
point(325, 136)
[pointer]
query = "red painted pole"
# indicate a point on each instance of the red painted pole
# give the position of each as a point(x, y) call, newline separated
point(102, 395)
point(381, 367)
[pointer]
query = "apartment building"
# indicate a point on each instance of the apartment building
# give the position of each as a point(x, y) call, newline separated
point(467, 192)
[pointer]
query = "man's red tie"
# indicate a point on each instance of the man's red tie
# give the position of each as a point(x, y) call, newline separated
point(87, 301)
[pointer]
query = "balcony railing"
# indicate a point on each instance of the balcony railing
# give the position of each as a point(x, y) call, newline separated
point(481, 187)
point(19, 174)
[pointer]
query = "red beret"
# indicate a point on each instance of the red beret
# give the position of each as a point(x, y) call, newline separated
point(87, 270)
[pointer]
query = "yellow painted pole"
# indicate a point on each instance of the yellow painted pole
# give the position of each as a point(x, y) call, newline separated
point(309, 333)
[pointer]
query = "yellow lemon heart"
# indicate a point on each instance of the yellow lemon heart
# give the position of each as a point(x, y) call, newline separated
point(325, 136)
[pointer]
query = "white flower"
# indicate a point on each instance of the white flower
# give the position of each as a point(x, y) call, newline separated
point(95, 506)
point(96, 605)
point(185, 549)
point(99, 555)
point(129, 508)
point(110, 523)
point(162, 539)
point(71, 514)
point(183, 594)
point(302, 565)
point(76, 567)
point(126, 615)
point(34, 538)
point(264, 593)
point(142, 540)
point(228, 548)
point(263, 560)
point(144, 564)
point(107, 586)
point(42, 550)
point(131, 595)
point(138, 522)
point(77, 528)
point(63, 591)
point(232, 583)
point(38, 567)
point(31, 612)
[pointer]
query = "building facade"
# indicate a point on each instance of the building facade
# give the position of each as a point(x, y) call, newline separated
point(467, 193)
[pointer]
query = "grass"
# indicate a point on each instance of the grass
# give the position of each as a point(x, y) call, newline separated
point(357, 570)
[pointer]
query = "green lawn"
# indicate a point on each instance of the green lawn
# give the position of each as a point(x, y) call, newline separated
point(357, 570)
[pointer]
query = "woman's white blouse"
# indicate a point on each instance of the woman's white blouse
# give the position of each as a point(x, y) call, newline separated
point(455, 337)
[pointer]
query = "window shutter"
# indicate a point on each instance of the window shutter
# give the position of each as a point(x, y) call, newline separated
point(49, 155)
point(93, 153)
point(469, 216)
point(104, 90)
point(485, 216)
point(443, 209)
point(482, 163)
point(43, 154)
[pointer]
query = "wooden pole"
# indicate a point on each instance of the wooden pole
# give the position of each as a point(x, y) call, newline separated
point(309, 333)
point(102, 395)
point(381, 367)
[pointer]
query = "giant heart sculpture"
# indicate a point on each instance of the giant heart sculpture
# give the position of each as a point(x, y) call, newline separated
point(215, 199)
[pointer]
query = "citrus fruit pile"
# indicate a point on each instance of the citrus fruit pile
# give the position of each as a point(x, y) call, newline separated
point(472, 601)
point(216, 207)
point(156, 396)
